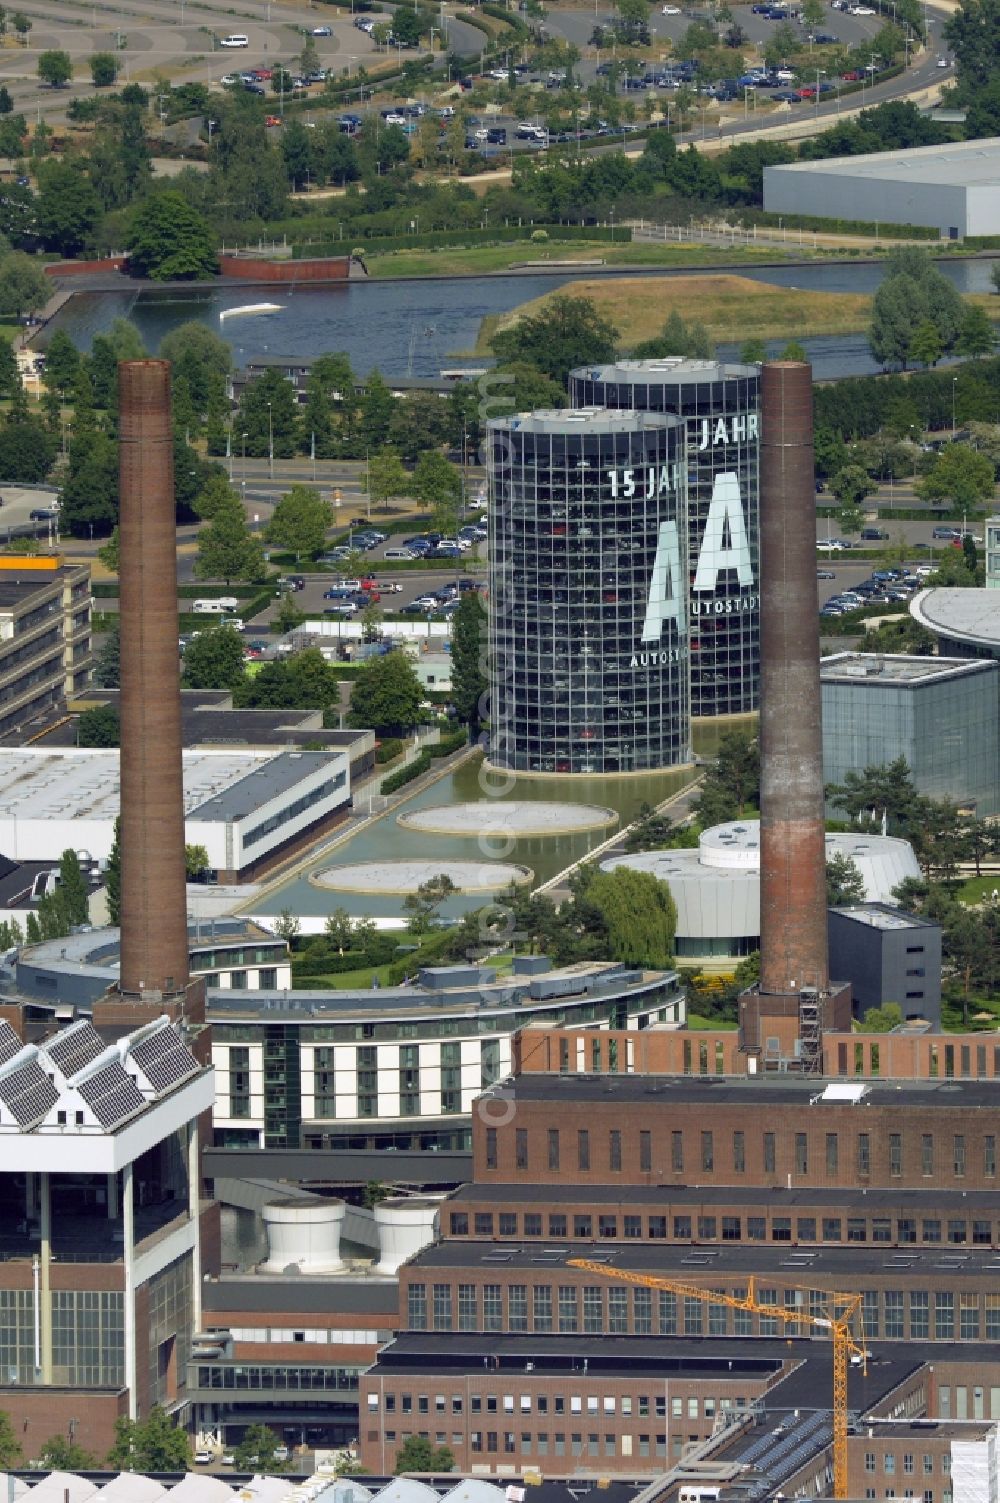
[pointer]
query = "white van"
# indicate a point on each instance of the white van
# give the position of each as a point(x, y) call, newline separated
point(238, 39)
point(221, 606)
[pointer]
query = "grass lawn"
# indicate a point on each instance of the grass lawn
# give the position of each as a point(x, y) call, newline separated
point(977, 888)
point(714, 1025)
point(732, 308)
point(454, 261)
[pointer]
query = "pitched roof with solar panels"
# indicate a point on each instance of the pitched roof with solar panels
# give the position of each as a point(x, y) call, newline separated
point(76, 1083)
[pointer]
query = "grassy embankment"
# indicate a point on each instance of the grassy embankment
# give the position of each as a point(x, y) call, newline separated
point(477, 260)
point(732, 308)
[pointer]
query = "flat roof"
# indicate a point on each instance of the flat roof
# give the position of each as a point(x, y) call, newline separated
point(880, 916)
point(971, 616)
point(707, 1090)
point(304, 1295)
point(952, 165)
point(671, 370)
point(268, 779)
point(208, 718)
point(83, 783)
point(570, 420)
point(885, 668)
point(668, 1197)
point(785, 1262)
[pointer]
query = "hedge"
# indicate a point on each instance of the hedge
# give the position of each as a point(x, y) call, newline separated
point(389, 749)
point(473, 235)
point(414, 769)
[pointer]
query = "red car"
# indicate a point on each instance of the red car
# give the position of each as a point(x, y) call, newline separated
point(272, 120)
point(262, 75)
point(853, 77)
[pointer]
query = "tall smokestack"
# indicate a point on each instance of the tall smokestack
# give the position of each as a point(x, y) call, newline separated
point(154, 946)
point(793, 933)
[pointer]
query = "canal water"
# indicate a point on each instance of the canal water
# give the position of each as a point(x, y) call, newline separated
point(418, 328)
point(387, 840)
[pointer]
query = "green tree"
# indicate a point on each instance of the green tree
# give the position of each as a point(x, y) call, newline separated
point(437, 484)
point(386, 696)
point(794, 351)
point(169, 240)
point(214, 659)
point(73, 891)
point(10, 1446)
point(422, 907)
point(55, 68)
point(567, 332)
point(304, 681)
point(926, 344)
point(62, 1455)
point(21, 25)
point(201, 355)
point(286, 926)
point(388, 477)
point(269, 416)
point(113, 875)
point(300, 521)
point(639, 913)
point(845, 885)
point(196, 862)
point(416, 1454)
point(338, 930)
point(215, 495)
point(90, 490)
point(520, 387)
point(468, 659)
point(753, 352)
point(104, 69)
point(99, 726)
point(255, 1451)
point(976, 336)
point(24, 287)
point(154, 1444)
point(732, 784)
point(107, 667)
point(67, 207)
point(882, 1019)
point(227, 549)
point(960, 475)
point(62, 361)
point(852, 484)
point(376, 409)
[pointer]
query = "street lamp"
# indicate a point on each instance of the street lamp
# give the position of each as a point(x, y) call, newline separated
point(270, 442)
point(954, 385)
point(820, 73)
point(243, 482)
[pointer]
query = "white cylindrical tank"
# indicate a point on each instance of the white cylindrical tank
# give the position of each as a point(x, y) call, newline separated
point(406, 1223)
point(304, 1234)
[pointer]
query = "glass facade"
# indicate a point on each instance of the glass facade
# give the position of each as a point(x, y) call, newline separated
point(943, 716)
point(721, 406)
point(589, 661)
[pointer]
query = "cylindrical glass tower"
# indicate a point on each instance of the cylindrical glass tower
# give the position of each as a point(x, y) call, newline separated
point(721, 405)
point(588, 601)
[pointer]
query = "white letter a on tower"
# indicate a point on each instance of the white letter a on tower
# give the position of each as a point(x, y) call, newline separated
point(666, 590)
point(725, 544)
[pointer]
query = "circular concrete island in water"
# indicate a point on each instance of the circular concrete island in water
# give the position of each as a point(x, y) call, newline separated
point(403, 876)
point(495, 817)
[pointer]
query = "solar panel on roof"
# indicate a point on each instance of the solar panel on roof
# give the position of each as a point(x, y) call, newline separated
point(74, 1047)
point(163, 1059)
point(112, 1095)
point(10, 1044)
point(28, 1093)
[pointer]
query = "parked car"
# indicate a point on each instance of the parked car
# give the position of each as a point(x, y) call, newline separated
point(825, 574)
point(873, 535)
point(322, 31)
point(945, 534)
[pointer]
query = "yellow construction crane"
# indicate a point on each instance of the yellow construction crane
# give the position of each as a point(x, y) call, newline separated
point(837, 1318)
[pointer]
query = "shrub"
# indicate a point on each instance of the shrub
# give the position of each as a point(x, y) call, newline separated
point(389, 749)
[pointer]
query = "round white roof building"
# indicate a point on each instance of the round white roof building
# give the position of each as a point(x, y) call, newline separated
point(717, 887)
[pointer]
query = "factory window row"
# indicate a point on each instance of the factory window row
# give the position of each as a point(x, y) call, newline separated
point(628, 1406)
point(593, 1309)
point(247, 1377)
point(708, 1151)
point(292, 811)
point(315, 1335)
point(30, 650)
point(944, 1061)
point(686, 1227)
point(908, 1463)
point(537, 1443)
